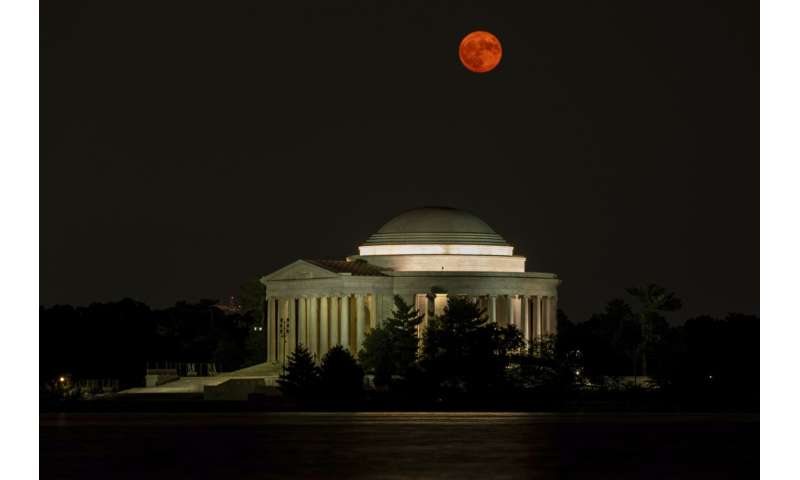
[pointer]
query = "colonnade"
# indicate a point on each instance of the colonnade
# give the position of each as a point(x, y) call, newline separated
point(533, 315)
point(323, 322)
point(317, 322)
point(538, 316)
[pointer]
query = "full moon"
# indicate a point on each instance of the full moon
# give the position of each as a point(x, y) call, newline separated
point(480, 51)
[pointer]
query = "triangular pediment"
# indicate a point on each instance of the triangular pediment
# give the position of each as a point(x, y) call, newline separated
point(299, 270)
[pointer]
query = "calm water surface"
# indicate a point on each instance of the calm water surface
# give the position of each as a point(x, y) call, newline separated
point(397, 445)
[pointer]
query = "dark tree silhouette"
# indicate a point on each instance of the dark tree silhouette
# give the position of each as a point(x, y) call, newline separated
point(252, 294)
point(608, 342)
point(301, 377)
point(342, 378)
point(462, 351)
point(654, 301)
point(715, 361)
point(391, 349)
point(545, 367)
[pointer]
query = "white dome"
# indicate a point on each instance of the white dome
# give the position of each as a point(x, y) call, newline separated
point(436, 226)
point(439, 239)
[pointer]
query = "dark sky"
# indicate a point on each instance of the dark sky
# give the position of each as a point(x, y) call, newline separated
point(187, 146)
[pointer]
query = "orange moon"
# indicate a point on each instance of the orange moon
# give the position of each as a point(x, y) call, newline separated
point(480, 51)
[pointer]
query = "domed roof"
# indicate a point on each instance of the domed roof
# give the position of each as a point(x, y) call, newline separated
point(433, 226)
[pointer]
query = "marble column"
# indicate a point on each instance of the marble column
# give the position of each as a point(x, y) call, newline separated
point(551, 316)
point(282, 315)
point(493, 308)
point(292, 341)
point(360, 327)
point(335, 321)
point(374, 318)
point(344, 321)
point(546, 315)
point(313, 327)
point(510, 308)
point(372, 308)
point(536, 316)
point(380, 311)
point(554, 306)
point(324, 326)
point(431, 306)
point(524, 328)
point(302, 322)
point(272, 342)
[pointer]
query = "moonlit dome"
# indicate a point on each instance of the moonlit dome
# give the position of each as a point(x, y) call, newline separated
point(436, 225)
point(436, 239)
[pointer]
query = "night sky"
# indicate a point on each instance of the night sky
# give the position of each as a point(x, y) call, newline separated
point(188, 146)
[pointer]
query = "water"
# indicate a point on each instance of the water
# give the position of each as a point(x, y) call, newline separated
point(397, 446)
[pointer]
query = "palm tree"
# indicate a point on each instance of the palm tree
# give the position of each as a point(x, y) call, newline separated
point(654, 300)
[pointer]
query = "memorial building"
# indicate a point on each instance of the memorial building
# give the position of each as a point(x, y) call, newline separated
point(423, 255)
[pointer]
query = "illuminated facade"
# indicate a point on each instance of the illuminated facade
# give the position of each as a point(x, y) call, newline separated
point(422, 255)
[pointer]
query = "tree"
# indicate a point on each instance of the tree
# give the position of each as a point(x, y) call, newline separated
point(462, 351)
point(544, 366)
point(342, 379)
point(608, 341)
point(710, 357)
point(301, 377)
point(654, 300)
point(391, 349)
point(252, 295)
point(507, 340)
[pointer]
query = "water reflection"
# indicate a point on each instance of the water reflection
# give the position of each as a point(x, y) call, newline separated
point(398, 445)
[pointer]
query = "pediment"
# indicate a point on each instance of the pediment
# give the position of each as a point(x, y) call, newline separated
point(299, 270)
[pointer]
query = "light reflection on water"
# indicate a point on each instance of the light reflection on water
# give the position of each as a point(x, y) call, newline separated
point(398, 445)
point(377, 418)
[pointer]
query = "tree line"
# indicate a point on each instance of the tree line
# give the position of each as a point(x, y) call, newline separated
point(627, 351)
point(117, 340)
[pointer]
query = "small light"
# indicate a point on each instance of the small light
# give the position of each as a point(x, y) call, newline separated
point(61, 379)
